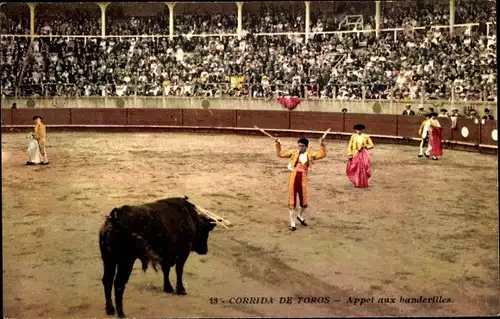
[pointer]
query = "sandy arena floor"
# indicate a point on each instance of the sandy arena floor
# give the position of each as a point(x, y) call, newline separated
point(423, 228)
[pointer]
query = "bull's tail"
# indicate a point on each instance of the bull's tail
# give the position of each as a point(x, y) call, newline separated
point(104, 244)
point(146, 254)
point(106, 239)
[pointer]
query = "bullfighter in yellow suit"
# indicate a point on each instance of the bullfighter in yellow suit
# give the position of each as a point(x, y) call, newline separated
point(358, 168)
point(300, 162)
point(40, 134)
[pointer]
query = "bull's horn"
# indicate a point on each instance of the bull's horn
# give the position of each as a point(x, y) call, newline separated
point(217, 219)
point(213, 216)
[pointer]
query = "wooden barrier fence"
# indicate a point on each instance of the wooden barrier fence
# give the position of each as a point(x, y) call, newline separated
point(471, 134)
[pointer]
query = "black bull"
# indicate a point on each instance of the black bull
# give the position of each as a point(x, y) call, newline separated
point(163, 232)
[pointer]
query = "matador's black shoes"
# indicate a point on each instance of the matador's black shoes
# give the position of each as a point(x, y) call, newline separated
point(293, 228)
point(302, 221)
point(31, 163)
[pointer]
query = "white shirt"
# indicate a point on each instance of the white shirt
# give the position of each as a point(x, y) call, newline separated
point(359, 138)
point(302, 160)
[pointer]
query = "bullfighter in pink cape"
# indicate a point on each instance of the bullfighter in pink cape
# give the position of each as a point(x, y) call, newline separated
point(358, 167)
point(435, 148)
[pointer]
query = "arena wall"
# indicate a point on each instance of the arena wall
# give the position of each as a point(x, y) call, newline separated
point(151, 117)
point(472, 134)
point(307, 105)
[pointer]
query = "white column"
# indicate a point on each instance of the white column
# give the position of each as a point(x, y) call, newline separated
point(377, 19)
point(308, 19)
point(239, 31)
point(452, 16)
point(32, 7)
point(171, 16)
point(103, 6)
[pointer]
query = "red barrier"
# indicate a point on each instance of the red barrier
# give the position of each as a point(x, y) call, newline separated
point(50, 116)
point(154, 117)
point(488, 131)
point(445, 128)
point(99, 116)
point(466, 131)
point(263, 119)
point(377, 124)
point(408, 125)
point(317, 121)
point(6, 117)
point(162, 119)
point(207, 117)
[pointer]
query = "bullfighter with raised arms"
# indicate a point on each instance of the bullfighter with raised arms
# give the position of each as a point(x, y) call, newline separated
point(300, 163)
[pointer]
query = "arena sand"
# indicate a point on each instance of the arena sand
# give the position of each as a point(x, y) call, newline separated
point(423, 228)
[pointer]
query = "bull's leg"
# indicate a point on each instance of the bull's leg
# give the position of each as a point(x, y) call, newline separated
point(107, 281)
point(179, 268)
point(167, 286)
point(122, 276)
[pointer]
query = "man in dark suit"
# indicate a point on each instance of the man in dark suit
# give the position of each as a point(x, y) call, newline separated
point(408, 110)
point(487, 115)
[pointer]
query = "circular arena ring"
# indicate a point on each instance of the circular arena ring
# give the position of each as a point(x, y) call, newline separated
point(422, 240)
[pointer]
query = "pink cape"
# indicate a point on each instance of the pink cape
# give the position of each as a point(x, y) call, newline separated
point(289, 102)
point(359, 169)
point(435, 140)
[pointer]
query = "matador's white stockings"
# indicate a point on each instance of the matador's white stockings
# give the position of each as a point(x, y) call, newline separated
point(302, 210)
point(296, 214)
point(292, 216)
point(421, 151)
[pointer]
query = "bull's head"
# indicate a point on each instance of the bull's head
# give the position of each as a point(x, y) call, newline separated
point(203, 229)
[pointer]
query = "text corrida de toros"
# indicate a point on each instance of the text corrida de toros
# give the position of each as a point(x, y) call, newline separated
point(281, 300)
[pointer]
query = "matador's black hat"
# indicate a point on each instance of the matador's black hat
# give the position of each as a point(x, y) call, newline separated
point(37, 117)
point(359, 127)
point(304, 141)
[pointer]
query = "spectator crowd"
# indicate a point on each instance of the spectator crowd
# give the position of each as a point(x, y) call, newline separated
point(468, 112)
point(428, 64)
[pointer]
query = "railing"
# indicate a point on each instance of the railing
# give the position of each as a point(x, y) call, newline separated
point(355, 21)
point(490, 26)
point(311, 91)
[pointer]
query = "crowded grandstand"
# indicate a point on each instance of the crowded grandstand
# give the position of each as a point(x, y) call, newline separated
point(258, 50)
